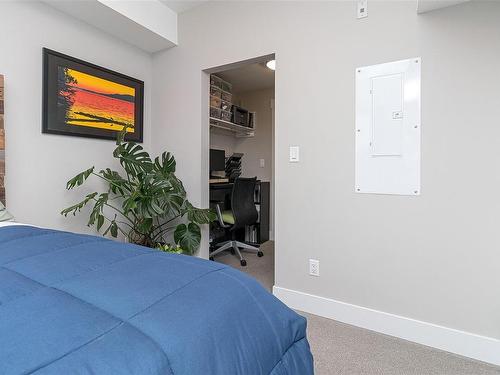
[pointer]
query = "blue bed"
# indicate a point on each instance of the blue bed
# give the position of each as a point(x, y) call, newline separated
point(78, 304)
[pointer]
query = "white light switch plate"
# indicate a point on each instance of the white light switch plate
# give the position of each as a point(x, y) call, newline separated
point(294, 154)
point(262, 163)
point(362, 8)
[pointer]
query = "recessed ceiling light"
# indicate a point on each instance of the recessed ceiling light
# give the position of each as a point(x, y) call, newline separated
point(271, 64)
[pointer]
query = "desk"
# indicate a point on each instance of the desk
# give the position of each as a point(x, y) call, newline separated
point(221, 185)
point(218, 180)
point(221, 193)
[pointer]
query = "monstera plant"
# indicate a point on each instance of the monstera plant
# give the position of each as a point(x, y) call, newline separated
point(146, 202)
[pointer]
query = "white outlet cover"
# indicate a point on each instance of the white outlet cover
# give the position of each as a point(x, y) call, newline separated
point(262, 163)
point(313, 267)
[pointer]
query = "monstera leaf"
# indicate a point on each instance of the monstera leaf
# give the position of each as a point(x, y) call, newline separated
point(117, 183)
point(79, 179)
point(166, 164)
point(78, 207)
point(97, 210)
point(188, 237)
point(133, 158)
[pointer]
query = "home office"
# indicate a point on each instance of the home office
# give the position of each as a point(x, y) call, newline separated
point(241, 166)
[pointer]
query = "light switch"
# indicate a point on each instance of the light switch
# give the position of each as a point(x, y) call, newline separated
point(362, 8)
point(294, 154)
point(262, 163)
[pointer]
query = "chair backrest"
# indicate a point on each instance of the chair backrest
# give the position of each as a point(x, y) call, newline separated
point(242, 202)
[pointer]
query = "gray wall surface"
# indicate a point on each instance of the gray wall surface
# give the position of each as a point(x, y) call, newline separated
point(260, 146)
point(434, 257)
point(38, 165)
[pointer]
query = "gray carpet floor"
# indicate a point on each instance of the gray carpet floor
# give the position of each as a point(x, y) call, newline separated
point(340, 348)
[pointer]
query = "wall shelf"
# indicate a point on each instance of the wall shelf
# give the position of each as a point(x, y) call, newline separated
point(239, 130)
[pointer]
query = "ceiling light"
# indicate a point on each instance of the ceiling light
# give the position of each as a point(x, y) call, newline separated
point(271, 64)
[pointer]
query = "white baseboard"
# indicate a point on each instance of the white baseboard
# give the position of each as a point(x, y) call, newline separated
point(467, 344)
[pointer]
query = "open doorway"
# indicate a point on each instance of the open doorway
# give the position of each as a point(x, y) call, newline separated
point(241, 158)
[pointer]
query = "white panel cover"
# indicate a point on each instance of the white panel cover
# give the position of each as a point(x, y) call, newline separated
point(388, 128)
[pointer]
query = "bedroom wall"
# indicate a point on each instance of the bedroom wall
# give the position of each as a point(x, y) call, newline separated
point(220, 140)
point(260, 146)
point(38, 165)
point(434, 258)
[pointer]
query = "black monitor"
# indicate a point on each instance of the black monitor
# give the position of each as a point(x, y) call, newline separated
point(217, 160)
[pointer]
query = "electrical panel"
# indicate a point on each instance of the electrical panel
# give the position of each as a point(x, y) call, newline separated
point(388, 128)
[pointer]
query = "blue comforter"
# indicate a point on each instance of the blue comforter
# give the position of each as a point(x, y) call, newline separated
point(77, 304)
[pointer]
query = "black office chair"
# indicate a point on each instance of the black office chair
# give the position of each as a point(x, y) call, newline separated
point(242, 213)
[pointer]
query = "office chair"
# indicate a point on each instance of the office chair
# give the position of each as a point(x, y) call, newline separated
point(242, 213)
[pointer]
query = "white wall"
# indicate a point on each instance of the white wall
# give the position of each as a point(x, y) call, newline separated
point(260, 146)
point(221, 140)
point(38, 165)
point(433, 258)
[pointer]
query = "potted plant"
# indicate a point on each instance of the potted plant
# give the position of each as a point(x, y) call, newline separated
point(145, 203)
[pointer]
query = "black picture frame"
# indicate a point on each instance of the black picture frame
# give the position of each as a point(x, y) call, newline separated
point(54, 113)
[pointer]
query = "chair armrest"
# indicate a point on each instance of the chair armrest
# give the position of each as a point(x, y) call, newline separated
point(219, 217)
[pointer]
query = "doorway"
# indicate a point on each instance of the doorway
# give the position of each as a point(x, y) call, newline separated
point(240, 106)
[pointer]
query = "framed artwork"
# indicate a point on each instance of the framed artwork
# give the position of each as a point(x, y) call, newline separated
point(86, 100)
point(2, 142)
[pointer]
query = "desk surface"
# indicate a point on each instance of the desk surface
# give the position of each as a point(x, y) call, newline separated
point(221, 186)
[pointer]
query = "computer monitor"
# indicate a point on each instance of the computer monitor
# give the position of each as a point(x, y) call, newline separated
point(217, 160)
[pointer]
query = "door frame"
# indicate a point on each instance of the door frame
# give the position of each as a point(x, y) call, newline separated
point(205, 141)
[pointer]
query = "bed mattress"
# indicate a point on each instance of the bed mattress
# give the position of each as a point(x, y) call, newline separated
point(79, 304)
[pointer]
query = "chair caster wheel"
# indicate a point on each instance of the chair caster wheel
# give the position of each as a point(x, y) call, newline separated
point(211, 258)
point(260, 254)
point(232, 251)
point(243, 262)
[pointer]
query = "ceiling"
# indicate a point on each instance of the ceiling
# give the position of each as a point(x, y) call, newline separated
point(183, 5)
point(249, 77)
point(424, 6)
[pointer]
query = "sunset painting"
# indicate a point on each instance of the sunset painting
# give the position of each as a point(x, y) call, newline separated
point(86, 100)
point(95, 102)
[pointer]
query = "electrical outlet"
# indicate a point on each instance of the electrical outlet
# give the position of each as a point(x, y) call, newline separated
point(313, 267)
point(262, 163)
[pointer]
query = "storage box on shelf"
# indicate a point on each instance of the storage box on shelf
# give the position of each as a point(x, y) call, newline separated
point(215, 91)
point(221, 115)
point(215, 112)
point(226, 86)
point(226, 96)
point(240, 116)
point(226, 106)
point(215, 102)
point(226, 115)
point(215, 81)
